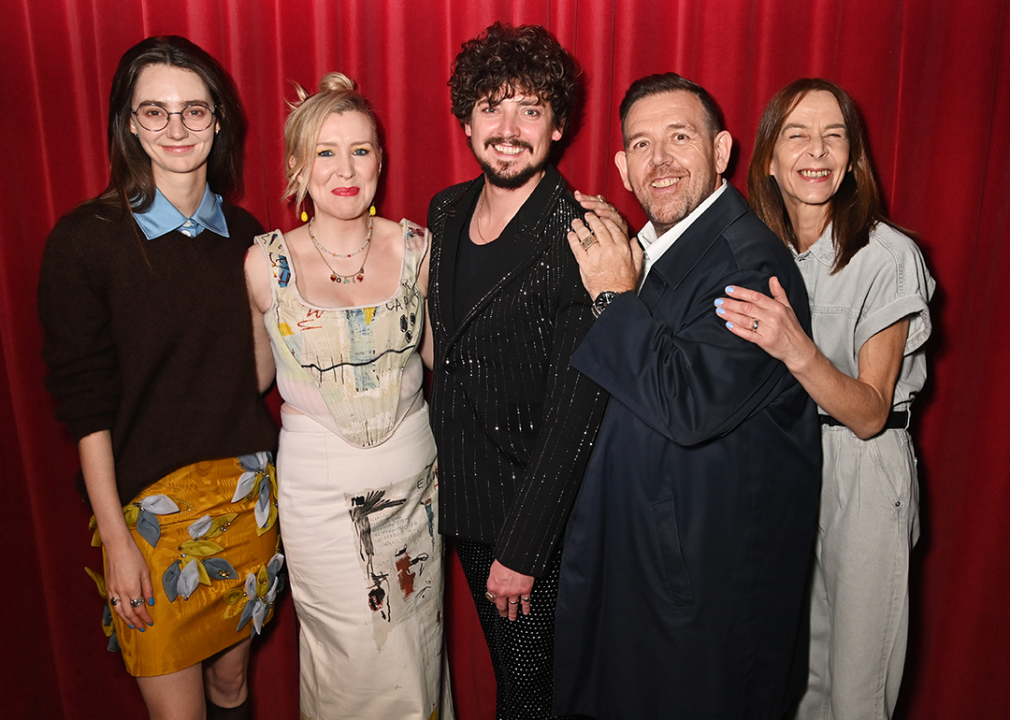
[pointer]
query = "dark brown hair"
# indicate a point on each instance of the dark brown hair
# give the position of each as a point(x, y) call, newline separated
point(503, 61)
point(672, 82)
point(130, 177)
point(854, 210)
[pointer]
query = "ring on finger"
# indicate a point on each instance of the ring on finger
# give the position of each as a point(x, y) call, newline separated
point(136, 602)
point(513, 603)
point(754, 327)
point(490, 596)
point(113, 601)
point(589, 241)
point(526, 599)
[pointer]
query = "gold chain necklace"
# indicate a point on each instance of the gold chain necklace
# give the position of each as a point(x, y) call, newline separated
point(320, 247)
point(480, 204)
point(334, 275)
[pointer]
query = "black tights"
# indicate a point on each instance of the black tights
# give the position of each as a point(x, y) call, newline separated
point(239, 712)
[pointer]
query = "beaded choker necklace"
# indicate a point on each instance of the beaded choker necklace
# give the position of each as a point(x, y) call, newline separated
point(334, 275)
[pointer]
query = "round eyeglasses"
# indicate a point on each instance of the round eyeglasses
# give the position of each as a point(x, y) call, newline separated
point(154, 117)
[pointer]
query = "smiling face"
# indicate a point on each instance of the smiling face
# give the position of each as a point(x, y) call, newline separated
point(345, 167)
point(512, 140)
point(175, 149)
point(671, 160)
point(811, 155)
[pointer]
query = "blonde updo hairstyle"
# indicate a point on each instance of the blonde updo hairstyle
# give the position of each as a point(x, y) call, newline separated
point(337, 94)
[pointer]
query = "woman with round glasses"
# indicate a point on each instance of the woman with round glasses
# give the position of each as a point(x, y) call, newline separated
point(812, 182)
point(195, 116)
point(343, 299)
point(150, 346)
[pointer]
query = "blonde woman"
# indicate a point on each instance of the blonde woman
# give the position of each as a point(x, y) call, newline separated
point(343, 302)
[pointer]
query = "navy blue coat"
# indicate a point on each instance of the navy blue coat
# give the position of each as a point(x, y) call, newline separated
point(685, 568)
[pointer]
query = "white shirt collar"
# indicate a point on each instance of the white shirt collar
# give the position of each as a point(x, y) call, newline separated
point(655, 246)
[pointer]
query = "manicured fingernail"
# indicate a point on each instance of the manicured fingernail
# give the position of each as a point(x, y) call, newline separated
point(729, 325)
point(720, 311)
point(718, 302)
point(150, 624)
point(730, 288)
point(151, 602)
point(142, 629)
point(132, 628)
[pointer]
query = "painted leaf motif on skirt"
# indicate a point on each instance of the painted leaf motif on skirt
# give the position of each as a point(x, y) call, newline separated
point(263, 502)
point(130, 513)
point(96, 538)
point(107, 627)
point(200, 548)
point(99, 581)
point(274, 566)
point(259, 613)
point(200, 527)
point(220, 569)
point(247, 611)
point(170, 581)
point(149, 528)
point(159, 505)
point(246, 483)
point(219, 525)
point(254, 461)
point(189, 579)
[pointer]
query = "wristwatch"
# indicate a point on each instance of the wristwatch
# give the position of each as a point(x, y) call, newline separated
point(602, 300)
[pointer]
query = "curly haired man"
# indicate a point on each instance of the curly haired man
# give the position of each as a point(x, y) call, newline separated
point(513, 422)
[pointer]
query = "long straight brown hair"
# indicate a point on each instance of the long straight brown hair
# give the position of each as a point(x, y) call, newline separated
point(854, 210)
point(131, 181)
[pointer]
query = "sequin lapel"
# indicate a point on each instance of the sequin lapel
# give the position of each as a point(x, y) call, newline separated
point(525, 238)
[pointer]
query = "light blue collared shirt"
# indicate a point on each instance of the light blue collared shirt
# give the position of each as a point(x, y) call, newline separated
point(163, 217)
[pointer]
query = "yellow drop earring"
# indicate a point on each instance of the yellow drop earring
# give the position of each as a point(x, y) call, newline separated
point(371, 210)
point(304, 216)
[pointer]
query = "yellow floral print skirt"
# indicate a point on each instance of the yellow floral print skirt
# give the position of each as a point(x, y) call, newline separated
point(209, 534)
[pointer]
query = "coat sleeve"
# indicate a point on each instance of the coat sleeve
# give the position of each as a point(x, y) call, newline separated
point(676, 365)
point(572, 411)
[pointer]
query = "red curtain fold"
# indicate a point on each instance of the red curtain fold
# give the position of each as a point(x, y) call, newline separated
point(933, 82)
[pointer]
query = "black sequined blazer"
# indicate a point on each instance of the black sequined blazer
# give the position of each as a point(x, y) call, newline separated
point(514, 423)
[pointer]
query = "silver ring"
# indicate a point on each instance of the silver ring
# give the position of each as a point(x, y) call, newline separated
point(754, 327)
point(526, 599)
point(490, 596)
point(136, 602)
point(513, 603)
point(114, 601)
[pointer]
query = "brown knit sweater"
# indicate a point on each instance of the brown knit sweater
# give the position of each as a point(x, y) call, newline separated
point(152, 339)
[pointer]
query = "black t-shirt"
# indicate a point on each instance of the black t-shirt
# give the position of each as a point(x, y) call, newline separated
point(472, 285)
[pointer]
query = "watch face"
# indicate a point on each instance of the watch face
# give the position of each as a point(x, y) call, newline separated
point(602, 300)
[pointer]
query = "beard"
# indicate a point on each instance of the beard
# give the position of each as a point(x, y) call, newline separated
point(512, 177)
point(665, 214)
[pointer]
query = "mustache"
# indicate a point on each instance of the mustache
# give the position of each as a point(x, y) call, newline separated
point(506, 141)
point(658, 171)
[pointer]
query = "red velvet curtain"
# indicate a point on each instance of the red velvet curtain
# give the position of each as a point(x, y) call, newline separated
point(933, 80)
